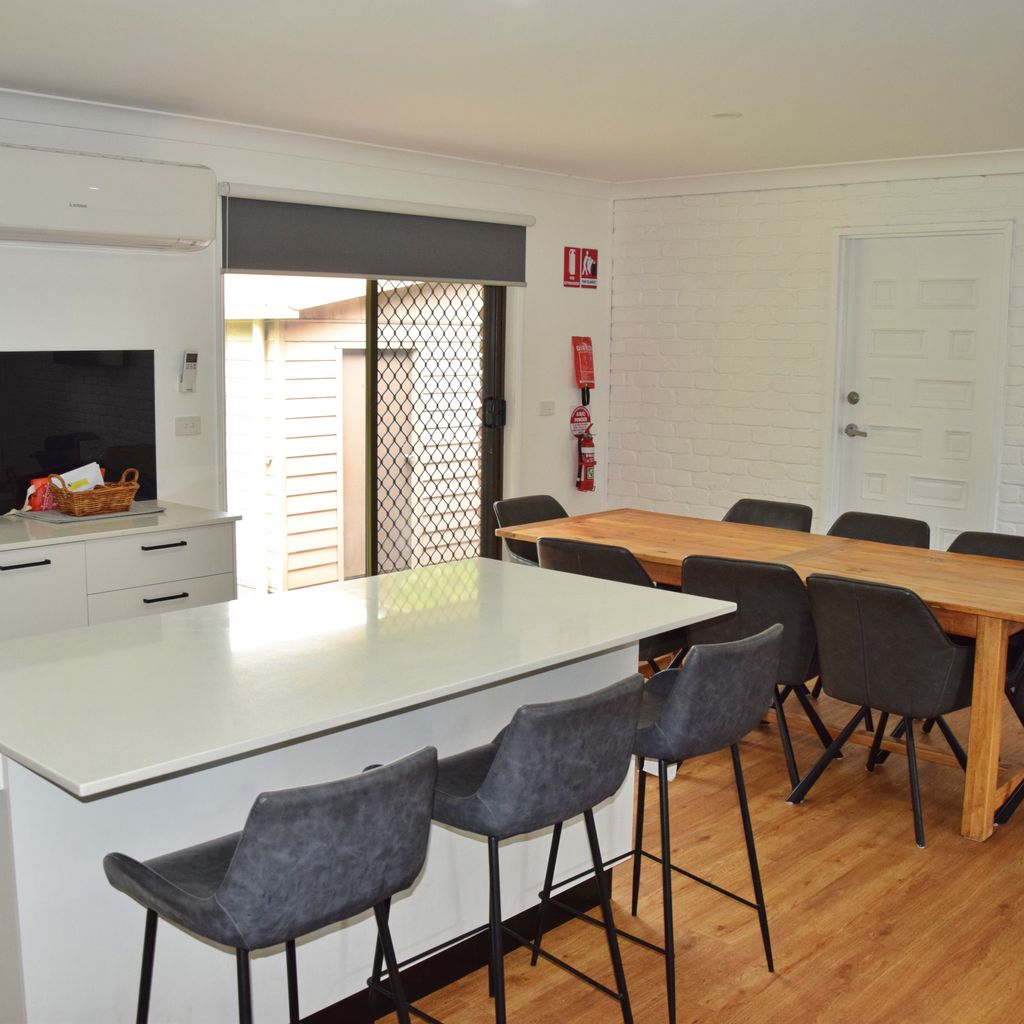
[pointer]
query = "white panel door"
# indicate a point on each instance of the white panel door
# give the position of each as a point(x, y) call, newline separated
point(923, 350)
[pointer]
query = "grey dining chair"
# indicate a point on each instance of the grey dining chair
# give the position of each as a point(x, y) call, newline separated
point(911, 533)
point(783, 515)
point(881, 648)
point(531, 508)
point(306, 858)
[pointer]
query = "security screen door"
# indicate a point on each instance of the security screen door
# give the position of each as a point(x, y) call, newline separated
point(435, 372)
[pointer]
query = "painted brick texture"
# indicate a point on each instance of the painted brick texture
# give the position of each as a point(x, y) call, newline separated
point(723, 329)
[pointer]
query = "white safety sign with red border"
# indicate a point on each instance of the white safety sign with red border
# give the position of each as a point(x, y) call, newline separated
point(579, 421)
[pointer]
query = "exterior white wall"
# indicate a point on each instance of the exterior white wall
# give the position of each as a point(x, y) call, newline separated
point(78, 297)
point(724, 331)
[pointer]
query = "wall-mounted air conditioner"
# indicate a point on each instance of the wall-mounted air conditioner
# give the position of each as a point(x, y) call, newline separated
point(48, 195)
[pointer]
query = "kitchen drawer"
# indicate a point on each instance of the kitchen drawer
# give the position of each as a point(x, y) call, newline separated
point(42, 589)
point(146, 558)
point(161, 597)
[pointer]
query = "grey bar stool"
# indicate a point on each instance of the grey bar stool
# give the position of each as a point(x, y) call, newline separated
point(551, 763)
point(306, 858)
point(716, 697)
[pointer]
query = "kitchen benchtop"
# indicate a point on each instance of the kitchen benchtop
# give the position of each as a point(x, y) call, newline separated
point(18, 532)
point(109, 706)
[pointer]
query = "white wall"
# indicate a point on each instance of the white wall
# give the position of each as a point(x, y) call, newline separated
point(723, 332)
point(71, 297)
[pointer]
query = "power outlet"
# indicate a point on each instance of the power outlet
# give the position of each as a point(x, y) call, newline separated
point(188, 426)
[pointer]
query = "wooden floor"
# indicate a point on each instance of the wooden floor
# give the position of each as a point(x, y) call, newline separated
point(866, 927)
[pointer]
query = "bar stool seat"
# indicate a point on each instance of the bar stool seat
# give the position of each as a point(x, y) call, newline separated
point(306, 858)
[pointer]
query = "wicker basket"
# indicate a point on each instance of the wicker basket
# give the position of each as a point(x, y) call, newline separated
point(106, 498)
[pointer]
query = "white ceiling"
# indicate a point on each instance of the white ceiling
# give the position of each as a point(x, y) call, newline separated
point(616, 90)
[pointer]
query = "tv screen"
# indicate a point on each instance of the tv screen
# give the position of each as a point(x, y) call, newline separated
point(60, 410)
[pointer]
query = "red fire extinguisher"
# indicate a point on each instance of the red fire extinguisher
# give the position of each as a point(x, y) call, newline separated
point(586, 463)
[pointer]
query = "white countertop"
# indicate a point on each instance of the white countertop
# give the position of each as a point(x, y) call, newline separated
point(114, 705)
point(16, 532)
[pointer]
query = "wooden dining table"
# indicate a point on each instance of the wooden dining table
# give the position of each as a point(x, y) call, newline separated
point(970, 595)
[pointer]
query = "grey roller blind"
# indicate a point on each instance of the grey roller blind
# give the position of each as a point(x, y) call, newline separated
point(296, 238)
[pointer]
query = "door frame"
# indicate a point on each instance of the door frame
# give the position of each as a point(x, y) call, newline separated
point(834, 413)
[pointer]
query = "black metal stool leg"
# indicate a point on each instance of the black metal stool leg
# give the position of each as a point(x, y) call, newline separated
point(755, 873)
point(915, 789)
point(293, 982)
point(787, 742)
point(146, 977)
point(244, 986)
point(497, 945)
point(638, 838)
point(666, 892)
point(826, 759)
point(381, 913)
point(876, 743)
point(545, 896)
point(609, 920)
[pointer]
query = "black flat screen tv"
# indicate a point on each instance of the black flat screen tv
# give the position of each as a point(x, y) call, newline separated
point(60, 410)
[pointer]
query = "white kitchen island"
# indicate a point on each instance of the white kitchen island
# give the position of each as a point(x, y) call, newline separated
point(151, 734)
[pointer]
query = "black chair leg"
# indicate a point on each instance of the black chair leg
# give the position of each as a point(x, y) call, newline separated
point(609, 920)
point(244, 986)
point(666, 892)
point(812, 715)
point(915, 789)
point(755, 873)
point(816, 692)
point(787, 743)
point(869, 721)
point(381, 913)
point(929, 724)
point(1013, 801)
point(146, 977)
point(549, 881)
point(638, 837)
point(876, 743)
point(826, 759)
point(293, 982)
point(951, 740)
point(497, 945)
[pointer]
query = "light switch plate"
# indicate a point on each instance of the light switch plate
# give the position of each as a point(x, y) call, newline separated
point(188, 426)
point(547, 408)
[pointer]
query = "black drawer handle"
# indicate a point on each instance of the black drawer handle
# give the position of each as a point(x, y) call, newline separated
point(171, 597)
point(25, 565)
point(160, 547)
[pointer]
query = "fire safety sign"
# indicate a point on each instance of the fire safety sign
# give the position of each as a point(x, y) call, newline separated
point(579, 267)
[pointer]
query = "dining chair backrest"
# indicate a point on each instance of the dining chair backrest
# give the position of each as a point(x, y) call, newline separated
point(311, 856)
point(531, 508)
point(717, 696)
point(601, 561)
point(881, 647)
point(991, 545)
point(764, 593)
point(558, 759)
point(911, 533)
point(783, 515)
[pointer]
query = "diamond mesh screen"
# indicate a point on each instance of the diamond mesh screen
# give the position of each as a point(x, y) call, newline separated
point(429, 426)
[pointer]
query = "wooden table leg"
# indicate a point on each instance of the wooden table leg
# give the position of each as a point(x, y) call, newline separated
point(986, 721)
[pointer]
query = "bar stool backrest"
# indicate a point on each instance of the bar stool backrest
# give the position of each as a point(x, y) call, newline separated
point(311, 856)
point(602, 561)
point(881, 647)
point(992, 545)
point(556, 760)
point(531, 508)
point(715, 697)
point(783, 515)
point(764, 593)
point(911, 533)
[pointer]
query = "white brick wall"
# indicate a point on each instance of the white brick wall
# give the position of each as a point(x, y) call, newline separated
point(721, 328)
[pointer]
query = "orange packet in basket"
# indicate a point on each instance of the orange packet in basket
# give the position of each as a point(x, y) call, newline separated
point(39, 498)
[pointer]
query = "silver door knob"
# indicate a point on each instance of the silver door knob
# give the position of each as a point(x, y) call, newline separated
point(852, 430)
